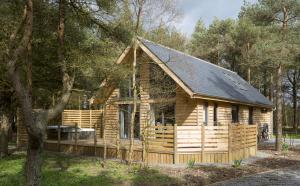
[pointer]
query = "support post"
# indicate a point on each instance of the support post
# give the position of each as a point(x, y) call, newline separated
point(202, 141)
point(95, 139)
point(90, 118)
point(76, 126)
point(104, 131)
point(229, 143)
point(58, 137)
point(80, 118)
point(256, 134)
point(244, 140)
point(175, 157)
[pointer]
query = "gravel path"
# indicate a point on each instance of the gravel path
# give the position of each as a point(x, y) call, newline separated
point(288, 176)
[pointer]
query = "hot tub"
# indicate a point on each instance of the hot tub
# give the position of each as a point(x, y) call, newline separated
point(68, 132)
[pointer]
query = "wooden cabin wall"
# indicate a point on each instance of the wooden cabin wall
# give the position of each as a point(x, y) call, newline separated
point(111, 116)
point(186, 112)
point(144, 93)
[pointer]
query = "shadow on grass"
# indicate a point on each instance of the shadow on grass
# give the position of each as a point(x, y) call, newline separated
point(148, 176)
point(275, 163)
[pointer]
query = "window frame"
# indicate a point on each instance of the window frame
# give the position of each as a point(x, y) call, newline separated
point(235, 119)
point(250, 115)
point(215, 114)
point(205, 113)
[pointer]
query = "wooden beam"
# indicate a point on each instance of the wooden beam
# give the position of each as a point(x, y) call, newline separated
point(123, 55)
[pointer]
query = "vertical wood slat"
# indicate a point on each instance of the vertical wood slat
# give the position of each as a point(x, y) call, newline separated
point(202, 141)
point(175, 158)
point(244, 140)
point(95, 138)
point(229, 143)
point(76, 126)
point(91, 120)
point(80, 118)
point(58, 137)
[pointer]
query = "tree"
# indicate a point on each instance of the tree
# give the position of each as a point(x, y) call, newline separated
point(282, 14)
point(215, 44)
point(21, 59)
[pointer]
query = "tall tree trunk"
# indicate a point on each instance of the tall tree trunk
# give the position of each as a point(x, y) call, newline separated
point(34, 162)
point(4, 129)
point(132, 119)
point(279, 108)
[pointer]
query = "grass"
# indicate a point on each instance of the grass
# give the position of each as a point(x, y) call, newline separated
point(288, 136)
point(70, 170)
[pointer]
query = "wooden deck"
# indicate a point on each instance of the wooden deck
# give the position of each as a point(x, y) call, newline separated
point(173, 144)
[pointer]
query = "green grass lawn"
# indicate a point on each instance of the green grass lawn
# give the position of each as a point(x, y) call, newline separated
point(60, 170)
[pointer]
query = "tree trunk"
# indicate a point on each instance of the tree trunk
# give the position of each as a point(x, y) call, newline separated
point(249, 75)
point(132, 119)
point(279, 108)
point(34, 162)
point(4, 129)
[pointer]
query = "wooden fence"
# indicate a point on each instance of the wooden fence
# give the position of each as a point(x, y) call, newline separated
point(215, 143)
point(180, 144)
point(84, 118)
point(159, 138)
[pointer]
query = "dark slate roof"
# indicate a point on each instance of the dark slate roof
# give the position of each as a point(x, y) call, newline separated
point(205, 78)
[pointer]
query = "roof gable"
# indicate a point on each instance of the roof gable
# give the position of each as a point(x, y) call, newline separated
point(204, 78)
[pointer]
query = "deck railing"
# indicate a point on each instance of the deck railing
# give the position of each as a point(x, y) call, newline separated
point(232, 139)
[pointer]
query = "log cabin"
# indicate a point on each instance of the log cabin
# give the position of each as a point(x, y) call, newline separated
point(188, 109)
point(211, 113)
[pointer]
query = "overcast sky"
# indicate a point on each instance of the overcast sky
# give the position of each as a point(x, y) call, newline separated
point(206, 10)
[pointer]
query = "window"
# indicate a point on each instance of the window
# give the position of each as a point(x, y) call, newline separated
point(205, 113)
point(124, 121)
point(250, 118)
point(161, 84)
point(235, 113)
point(162, 114)
point(215, 114)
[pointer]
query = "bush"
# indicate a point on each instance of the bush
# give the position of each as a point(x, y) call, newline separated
point(285, 147)
point(237, 163)
point(191, 164)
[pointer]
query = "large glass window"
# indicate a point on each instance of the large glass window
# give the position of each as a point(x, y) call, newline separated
point(250, 118)
point(205, 113)
point(235, 113)
point(124, 121)
point(162, 114)
point(161, 84)
point(215, 114)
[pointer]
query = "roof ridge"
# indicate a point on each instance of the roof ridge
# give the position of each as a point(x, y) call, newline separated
point(187, 55)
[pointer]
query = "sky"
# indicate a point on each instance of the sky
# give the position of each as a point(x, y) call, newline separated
point(206, 10)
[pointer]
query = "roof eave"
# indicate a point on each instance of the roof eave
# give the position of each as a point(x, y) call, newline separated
point(215, 98)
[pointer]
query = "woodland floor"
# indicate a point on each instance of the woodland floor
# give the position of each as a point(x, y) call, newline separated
point(59, 169)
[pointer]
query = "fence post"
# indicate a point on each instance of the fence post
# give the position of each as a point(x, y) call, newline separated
point(58, 137)
point(95, 138)
point(90, 118)
point(202, 141)
point(76, 126)
point(244, 144)
point(175, 157)
point(229, 143)
point(80, 118)
point(256, 137)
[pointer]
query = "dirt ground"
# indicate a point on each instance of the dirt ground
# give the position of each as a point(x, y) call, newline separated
point(208, 174)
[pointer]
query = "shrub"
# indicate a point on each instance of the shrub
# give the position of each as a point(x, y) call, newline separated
point(191, 164)
point(285, 148)
point(237, 163)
